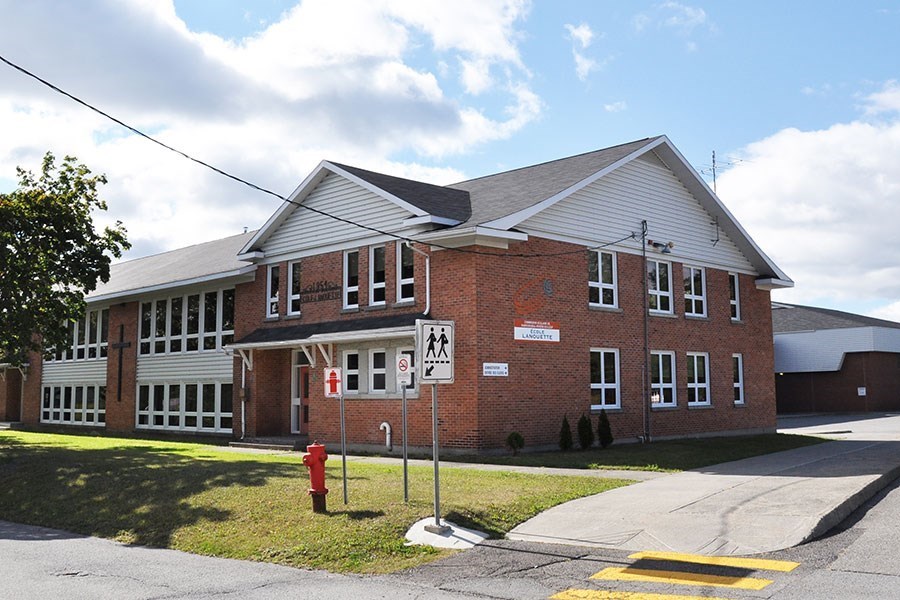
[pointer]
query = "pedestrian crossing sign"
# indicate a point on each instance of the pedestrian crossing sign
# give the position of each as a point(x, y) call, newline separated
point(434, 342)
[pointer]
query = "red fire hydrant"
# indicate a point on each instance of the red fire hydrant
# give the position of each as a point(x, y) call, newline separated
point(315, 462)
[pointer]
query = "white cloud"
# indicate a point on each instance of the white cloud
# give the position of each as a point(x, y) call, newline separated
point(890, 312)
point(823, 204)
point(582, 36)
point(680, 18)
point(683, 17)
point(615, 107)
point(342, 81)
point(885, 101)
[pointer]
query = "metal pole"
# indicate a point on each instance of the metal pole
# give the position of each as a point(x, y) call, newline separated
point(437, 527)
point(405, 453)
point(646, 376)
point(343, 448)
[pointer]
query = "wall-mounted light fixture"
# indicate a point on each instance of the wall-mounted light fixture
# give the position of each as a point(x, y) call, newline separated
point(664, 248)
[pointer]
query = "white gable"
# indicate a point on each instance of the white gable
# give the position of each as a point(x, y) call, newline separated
point(643, 189)
point(305, 232)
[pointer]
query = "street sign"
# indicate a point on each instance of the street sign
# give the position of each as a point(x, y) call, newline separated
point(334, 384)
point(404, 370)
point(435, 347)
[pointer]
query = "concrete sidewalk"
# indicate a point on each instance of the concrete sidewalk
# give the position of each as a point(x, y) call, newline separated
point(756, 505)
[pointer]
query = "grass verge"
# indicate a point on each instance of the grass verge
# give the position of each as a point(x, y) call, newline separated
point(212, 501)
point(667, 456)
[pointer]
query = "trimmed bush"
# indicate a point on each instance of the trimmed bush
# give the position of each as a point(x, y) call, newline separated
point(565, 435)
point(515, 442)
point(585, 432)
point(604, 431)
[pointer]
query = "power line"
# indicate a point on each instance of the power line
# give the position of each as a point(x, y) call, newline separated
point(259, 188)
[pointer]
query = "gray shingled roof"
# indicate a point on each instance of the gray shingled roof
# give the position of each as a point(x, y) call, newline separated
point(434, 199)
point(499, 195)
point(793, 317)
point(205, 260)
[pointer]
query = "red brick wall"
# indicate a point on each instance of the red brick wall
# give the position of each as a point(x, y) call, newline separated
point(10, 394)
point(120, 410)
point(878, 372)
point(31, 402)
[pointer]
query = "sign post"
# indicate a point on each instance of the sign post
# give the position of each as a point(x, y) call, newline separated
point(334, 388)
point(404, 378)
point(434, 346)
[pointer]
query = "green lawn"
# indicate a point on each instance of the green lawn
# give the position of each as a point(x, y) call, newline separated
point(209, 500)
point(674, 455)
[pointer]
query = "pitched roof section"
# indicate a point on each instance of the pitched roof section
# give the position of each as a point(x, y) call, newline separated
point(503, 194)
point(271, 336)
point(195, 264)
point(434, 199)
point(793, 317)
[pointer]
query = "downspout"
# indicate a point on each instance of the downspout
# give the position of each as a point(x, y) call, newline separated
point(427, 275)
point(243, 398)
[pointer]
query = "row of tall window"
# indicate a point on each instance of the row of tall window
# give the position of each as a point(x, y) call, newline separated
point(603, 286)
point(189, 323)
point(377, 281)
point(185, 406)
point(89, 336)
point(606, 390)
point(74, 404)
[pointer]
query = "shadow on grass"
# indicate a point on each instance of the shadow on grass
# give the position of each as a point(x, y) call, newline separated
point(358, 515)
point(140, 495)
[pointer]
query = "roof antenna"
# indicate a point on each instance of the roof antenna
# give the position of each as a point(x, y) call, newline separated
point(714, 172)
point(245, 229)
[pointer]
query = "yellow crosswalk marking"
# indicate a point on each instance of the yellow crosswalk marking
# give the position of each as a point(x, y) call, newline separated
point(605, 595)
point(680, 577)
point(754, 564)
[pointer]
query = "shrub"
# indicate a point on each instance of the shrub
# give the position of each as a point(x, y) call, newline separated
point(604, 431)
point(585, 432)
point(515, 442)
point(565, 435)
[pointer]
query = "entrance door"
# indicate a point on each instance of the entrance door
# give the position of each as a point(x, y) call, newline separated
point(300, 400)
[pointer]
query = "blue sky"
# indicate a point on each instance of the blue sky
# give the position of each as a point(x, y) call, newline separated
point(799, 100)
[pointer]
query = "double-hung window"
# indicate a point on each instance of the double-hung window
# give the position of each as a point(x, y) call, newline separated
point(659, 286)
point(734, 296)
point(351, 279)
point(272, 286)
point(293, 307)
point(405, 273)
point(377, 371)
point(662, 378)
point(604, 379)
point(737, 377)
point(602, 279)
point(377, 276)
point(694, 291)
point(351, 372)
point(698, 379)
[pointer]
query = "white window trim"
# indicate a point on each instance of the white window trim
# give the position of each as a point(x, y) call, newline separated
point(739, 384)
point(601, 285)
point(401, 281)
point(373, 371)
point(662, 294)
point(697, 386)
point(673, 385)
point(348, 371)
point(603, 386)
point(183, 415)
point(380, 285)
point(270, 298)
point(348, 289)
point(735, 301)
point(151, 338)
point(66, 416)
point(693, 297)
point(291, 296)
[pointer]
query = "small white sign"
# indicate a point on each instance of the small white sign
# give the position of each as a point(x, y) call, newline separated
point(495, 369)
point(536, 331)
point(861, 391)
point(404, 369)
point(334, 384)
point(435, 347)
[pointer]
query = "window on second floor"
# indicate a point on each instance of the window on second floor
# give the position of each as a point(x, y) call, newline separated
point(351, 279)
point(602, 279)
point(405, 272)
point(694, 291)
point(88, 336)
point(377, 278)
point(293, 301)
point(187, 323)
point(272, 286)
point(734, 295)
point(659, 286)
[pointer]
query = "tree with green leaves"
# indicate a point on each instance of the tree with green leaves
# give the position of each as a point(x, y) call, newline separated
point(51, 255)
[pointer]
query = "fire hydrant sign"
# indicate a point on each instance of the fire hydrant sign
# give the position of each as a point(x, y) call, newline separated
point(334, 384)
point(536, 331)
point(435, 346)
